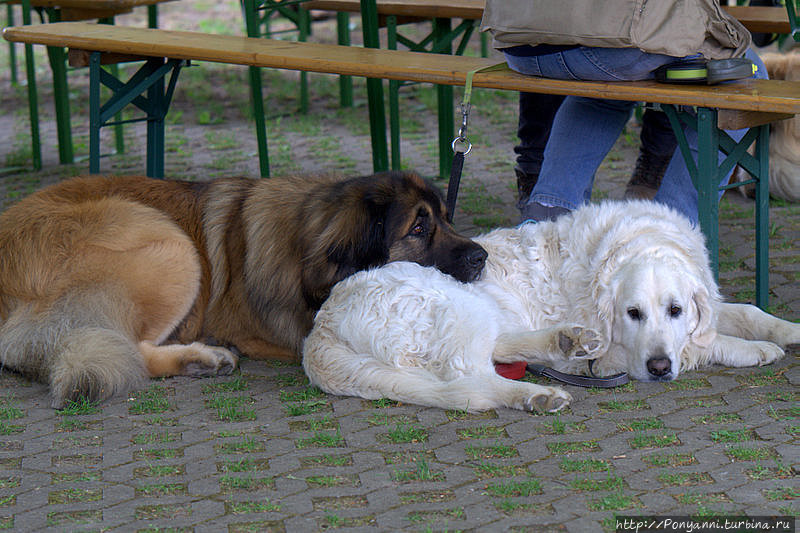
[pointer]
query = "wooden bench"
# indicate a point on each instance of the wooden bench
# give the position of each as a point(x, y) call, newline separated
point(57, 11)
point(748, 103)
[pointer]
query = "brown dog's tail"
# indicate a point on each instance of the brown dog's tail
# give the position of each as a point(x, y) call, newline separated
point(74, 347)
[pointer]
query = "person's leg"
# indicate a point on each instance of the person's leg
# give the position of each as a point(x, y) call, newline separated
point(585, 129)
point(536, 114)
point(677, 189)
point(657, 146)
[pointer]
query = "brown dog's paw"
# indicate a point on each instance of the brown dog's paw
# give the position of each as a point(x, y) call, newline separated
point(209, 361)
point(577, 342)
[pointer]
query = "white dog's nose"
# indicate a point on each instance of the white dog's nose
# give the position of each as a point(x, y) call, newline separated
point(659, 366)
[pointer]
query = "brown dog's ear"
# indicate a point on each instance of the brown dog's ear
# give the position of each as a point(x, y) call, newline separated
point(705, 329)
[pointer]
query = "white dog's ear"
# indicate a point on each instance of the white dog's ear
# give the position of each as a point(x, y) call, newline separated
point(704, 331)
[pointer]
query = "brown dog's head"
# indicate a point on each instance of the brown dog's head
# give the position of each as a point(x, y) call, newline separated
point(373, 220)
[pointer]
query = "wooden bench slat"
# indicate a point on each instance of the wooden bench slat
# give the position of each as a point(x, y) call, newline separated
point(764, 19)
point(112, 5)
point(748, 95)
point(426, 9)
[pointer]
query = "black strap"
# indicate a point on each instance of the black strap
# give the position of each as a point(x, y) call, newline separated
point(452, 186)
point(578, 380)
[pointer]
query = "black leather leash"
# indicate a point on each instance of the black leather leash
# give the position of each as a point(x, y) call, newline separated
point(580, 381)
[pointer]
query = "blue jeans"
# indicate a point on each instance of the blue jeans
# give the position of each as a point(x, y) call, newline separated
point(585, 129)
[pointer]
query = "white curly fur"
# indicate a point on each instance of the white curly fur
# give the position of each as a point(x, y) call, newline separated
point(625, 283)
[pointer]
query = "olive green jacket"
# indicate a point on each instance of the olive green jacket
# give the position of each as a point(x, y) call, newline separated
point(673, 27)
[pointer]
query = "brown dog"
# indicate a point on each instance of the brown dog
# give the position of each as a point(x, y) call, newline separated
point(105, 281)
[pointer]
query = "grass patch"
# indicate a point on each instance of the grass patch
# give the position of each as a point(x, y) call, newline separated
point(669, 459)
point(620, 405)
point(81, 406)
point(149, 401)
point(685, 478)
point(487, 452)
point(584, 465)
point(565, 448)
point(654, 441)
point(641, 424)
point(743, 453)
point(527, 487)
point(482, 432)
point(732, 435)
point(404, 433)
point(421, 472)
point(613, 502)
point(321, 440)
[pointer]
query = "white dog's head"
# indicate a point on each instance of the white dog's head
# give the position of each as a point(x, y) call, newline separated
point(654, 311)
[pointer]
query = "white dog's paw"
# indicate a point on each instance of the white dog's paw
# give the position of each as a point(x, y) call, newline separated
point(577, 342)
point(548, 400)
point(767, 352)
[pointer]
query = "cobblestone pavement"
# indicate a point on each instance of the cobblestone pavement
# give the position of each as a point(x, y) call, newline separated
point(263, 451)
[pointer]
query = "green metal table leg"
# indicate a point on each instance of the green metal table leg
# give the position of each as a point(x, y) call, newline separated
point(33, 97)
point(345, 82)
point(119, 134)
point(441, 27)
point(377, 115)
point(762, 218)
point(256, 92)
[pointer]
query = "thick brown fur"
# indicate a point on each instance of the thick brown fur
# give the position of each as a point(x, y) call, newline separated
point(106, 281)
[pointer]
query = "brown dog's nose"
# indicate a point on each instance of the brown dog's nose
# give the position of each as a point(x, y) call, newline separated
point(659, 366)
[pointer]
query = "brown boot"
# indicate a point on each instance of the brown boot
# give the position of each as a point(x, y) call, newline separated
point(647, 175)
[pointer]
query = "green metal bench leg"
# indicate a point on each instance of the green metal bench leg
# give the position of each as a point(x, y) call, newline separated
point(377, 114)
point(394, 98)
point(708, 172)
point(94, 113)
point(304, 27)
point(58, 64)
point(444, 93)
point(33, 97)
point(256, 92)
point(12, 50)
point(707, 182)
point(345, 82)
point(152, 16)
point(762, 218)
point(155, 130)
point(150, 79)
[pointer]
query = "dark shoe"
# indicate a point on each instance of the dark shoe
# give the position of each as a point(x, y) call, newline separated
point(525, 184)
point(539, 213)
point(647, 175)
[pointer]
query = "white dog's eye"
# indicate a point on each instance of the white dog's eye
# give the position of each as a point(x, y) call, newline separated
point(675, 311)
point(634, 314)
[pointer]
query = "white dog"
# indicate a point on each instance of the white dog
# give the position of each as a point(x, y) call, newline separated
point(626, 284)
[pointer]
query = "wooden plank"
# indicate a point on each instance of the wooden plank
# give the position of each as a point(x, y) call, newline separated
point(426, 9)
point(768, 96)
point(763, 19)
point(729, 119)
point(112, 5)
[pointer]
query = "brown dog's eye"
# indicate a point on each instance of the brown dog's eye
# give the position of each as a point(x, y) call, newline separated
point(634, 314)
point(675, 311)
point(417, 230)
